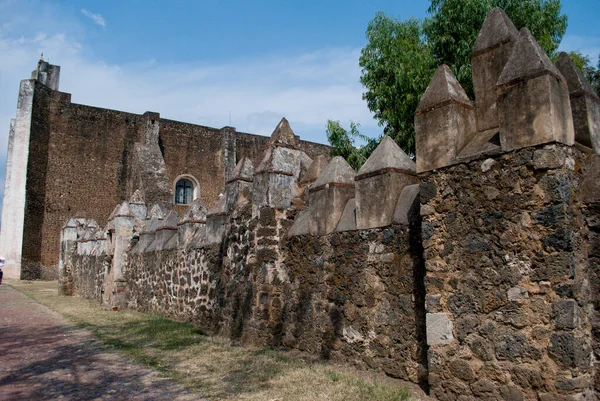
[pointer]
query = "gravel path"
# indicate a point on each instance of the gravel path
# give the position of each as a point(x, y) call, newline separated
point(44, 357)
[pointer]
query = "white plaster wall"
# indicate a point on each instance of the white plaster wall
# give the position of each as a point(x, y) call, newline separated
point(13, 206)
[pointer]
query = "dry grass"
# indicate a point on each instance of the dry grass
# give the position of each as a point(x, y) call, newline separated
point(208, 365)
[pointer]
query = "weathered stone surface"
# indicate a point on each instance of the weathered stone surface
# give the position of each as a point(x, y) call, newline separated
point(565, 314)
point(158, 210)
point(137, 197)
point(275, 178)
point(379, 183)
point(483, 143)
point(164, 231)
point(514, 347)
point(283, 135)
point(300, 226)
point(443, 87)
point(462, 370)
point(585, 104)
point(444, 122)
point(364, 291)
point(570, 351)
point(533, 99)
point(314, 170)
point(240, 182)
point(549, 157)
point(329, 195)
point(497, 29)
point(121, 211)
point(149, 171)
point(388, 155)
point(491, 51)
point(510, 270)
point(244, 170)
point(348, 219)
point(338, 171)
point(196, 212)
point(517, 294)
point(590, 187)
point(439, 329)
point(482, 348)
point(272, 190)
point(511, 393)
point(216, 219)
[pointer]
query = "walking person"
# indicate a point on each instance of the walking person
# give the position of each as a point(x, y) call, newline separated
point(1, 266)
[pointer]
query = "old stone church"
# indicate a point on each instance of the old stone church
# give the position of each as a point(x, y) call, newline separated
point(64, 158)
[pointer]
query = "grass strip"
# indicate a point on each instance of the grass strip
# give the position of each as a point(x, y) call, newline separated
point(209, 365)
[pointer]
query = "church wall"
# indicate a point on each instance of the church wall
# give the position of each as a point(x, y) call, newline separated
point(88, 154)
point(251, 146)
point(36, 183)
point(82, 160)
point(194, 150)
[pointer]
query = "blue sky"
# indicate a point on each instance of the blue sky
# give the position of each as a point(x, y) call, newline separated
point(202, 61)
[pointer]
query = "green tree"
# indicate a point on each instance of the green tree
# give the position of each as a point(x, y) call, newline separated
point(397, 66)
point(344, 143)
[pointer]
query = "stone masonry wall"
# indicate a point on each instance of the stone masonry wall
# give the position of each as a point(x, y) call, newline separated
point(508, 297)
point(88, 275)
point(351, 297)
point(590, 198)
point(86, 166)
point(36, 185)
point(356, 297)
point(174, 283)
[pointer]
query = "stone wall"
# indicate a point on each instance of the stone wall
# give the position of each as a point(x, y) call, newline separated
point(249, 269)
point(358, 298)
point(590, 199)
point(506, 250)
point(353, 296)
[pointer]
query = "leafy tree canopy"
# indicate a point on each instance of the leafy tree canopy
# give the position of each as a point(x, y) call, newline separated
point(397, 65)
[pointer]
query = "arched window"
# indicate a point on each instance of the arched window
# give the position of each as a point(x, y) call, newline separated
point(185, 191)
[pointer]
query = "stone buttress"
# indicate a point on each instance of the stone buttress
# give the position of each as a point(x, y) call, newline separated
point(585, 104)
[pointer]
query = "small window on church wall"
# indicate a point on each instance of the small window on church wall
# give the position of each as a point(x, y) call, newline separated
point(184, 192)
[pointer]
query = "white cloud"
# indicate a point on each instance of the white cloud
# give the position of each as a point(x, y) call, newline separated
point(97, 18)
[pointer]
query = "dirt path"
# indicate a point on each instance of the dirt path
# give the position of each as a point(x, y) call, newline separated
point(44, 357)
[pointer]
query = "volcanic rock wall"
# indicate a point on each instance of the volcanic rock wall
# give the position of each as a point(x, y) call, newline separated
point(506, 249)
point(249, 269)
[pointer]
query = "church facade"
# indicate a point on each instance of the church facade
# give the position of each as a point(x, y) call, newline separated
point(66, 158)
